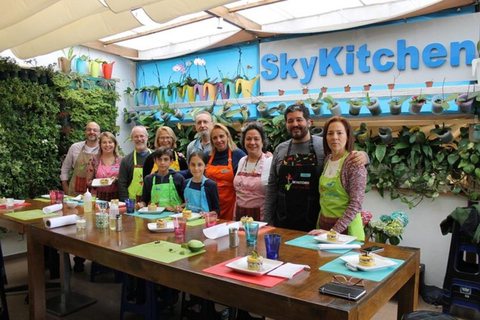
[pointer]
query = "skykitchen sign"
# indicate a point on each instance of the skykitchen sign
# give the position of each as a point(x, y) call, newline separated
point(412, 53)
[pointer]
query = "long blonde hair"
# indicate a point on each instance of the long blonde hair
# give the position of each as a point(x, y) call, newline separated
point(231, 145)
point(110, 136)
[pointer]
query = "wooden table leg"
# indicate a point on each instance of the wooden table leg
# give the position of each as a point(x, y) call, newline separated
point(408, 294)
point(36, 280)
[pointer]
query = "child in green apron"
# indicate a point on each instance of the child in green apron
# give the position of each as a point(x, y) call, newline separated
point(164, 187)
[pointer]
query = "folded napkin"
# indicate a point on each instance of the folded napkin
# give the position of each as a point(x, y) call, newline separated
point(217, 231)
point(53, 208)
point(330, 246)
point(60, 221)
point(288, 270)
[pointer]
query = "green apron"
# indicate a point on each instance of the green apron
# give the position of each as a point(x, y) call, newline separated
point(165, 194)
point(135, 188)
point(334, 200)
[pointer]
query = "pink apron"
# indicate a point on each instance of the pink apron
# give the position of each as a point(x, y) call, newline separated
point(250, 193)
point(103, 171)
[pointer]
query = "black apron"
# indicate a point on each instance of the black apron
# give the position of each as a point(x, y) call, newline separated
point(298, 200)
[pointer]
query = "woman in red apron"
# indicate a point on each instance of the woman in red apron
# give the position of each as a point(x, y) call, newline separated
point(252, 174)
point(222, 167)
point(105, 164)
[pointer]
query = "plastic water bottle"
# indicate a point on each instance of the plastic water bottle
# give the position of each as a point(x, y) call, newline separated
point(87, 202)
point(113, 214)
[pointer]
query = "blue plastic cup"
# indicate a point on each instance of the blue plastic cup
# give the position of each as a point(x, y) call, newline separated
point(272, 245)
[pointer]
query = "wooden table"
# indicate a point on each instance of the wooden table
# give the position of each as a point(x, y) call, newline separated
point(297, 298)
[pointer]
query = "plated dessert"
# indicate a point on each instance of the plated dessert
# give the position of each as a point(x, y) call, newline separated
point(366, 260)
point(152, 207)
point(187, 214)
point(333, 235)
point(246, 219)
point(255, 261)
point(161, 223)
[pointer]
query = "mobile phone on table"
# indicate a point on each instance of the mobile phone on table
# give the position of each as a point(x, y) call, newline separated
point(342, 290)
point(372, 249)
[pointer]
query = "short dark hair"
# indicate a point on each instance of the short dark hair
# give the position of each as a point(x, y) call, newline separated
point(299, 106)
point(348, 129)
point(199, 154)
point(159, 152)
point(254, 126)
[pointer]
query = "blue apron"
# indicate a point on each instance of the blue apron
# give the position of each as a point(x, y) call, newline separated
point(196, 200)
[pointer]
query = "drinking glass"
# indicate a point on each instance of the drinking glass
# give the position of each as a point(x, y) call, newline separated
point(10, 203)
point(59, 196)
point(251, 232)
point(53, 196)
point(272, 245)
point(130, 203)
point(210, 219)
point(180, 226)
point(81, 222)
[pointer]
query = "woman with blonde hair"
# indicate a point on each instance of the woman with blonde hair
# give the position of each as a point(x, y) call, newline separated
point(222, 167)
point(165, 137)
point(106, 164)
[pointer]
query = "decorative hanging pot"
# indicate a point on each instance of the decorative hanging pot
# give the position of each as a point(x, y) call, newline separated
point(64, 64)
point(385, 133)
point(374, 107)
point(94, 68)
point(190, 92)
point(437, 107)
point(464, 105)
point(81, 66)
point(107, 69)
point(210, 91)
point(336, 110)
point(245, 86)
point(199, 90)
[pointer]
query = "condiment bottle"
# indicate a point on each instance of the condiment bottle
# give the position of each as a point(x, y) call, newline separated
point(113, 214)
point(233, 237)
point(87, 202)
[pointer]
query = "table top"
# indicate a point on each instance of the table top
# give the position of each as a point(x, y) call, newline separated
point(299, 295)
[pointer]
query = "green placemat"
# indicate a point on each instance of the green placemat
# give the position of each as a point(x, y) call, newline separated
point(42, 200)
point(309, 242)
point(151, 215)
point(338, 266)
point(196, 222)
point(30, 214)
point(161, 251)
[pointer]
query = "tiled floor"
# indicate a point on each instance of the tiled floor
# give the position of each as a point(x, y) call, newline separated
point(107, 294)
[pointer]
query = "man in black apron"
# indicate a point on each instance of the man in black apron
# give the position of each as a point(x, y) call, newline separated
point(293, 200)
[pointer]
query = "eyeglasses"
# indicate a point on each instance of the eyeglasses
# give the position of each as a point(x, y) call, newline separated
point(349, 281)
point(164, 138)
point(92, 129)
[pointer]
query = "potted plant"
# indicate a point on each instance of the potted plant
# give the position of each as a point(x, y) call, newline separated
point(129, 96)
point(262, 109)
point(464, 103)
point(324, 89)
point(281, 92)
point(385, 133)
point(440, 103)
point(361, 133)
point(373, 105)
point(81, 64)
point(417, 102)
point(429, 83)
point(347, 88)
point(316, 104)
point(333, 105)
point(395, 104)
point(391, 86)
point(65, 63)
point(444, 133)
point(366, 87)
point(355, 106)
point(305, 89)
point(8, 68)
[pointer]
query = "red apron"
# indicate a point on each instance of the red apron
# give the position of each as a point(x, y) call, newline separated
point(223, 175)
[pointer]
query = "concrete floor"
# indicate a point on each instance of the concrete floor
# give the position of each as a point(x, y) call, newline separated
point(107, 293)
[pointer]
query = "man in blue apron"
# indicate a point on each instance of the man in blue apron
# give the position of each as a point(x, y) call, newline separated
point(292, 199)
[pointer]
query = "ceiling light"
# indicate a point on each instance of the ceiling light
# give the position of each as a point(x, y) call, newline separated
point(220, 23)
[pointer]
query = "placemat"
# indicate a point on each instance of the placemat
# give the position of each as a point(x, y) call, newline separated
point(151, 215)
point(338, 266)
point(260, 231)
point(30, 214)
point(308, 241)
point(42, 200)
point(16, 205)
point(221, 270)
point(161, 251)
point(196, 222)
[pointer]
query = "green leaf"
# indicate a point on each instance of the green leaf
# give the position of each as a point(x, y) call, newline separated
point(474, 158)
point(469, 168)
point(401, 145)
point(380, 152)
point(452, 158)
point(396, 159)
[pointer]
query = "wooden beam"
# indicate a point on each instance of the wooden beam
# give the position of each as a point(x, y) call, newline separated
point(254, 5)
point(234, 18)
point(111, 48)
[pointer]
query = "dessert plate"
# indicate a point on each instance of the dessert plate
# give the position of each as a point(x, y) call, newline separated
point(241, 265)
point(194, 216)
point(98, 183)
point(239, 224)
point(18, 201)
point(342, 239)
point(380, 263)
point(152, 226)
point(145, 210)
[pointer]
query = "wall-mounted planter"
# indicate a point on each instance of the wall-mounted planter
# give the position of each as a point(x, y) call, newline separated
point(367, 87)
point(464, 105)
point(317, 109)
point(385, 133)
point(64, 64)
point(107, 69)
point(374, 107)
point(81, 66)
point(395, 104)
point(437, 107)
point(355, 106)
point(245, 86)
point(391, 86)
point(262, 109)
point(94, 68)
point(336, 110)
point(429, 84)
point(210, 91)
point(416, 107)
point(445, 137)
point(346, 88)
point(199, 89)
point(190, 90)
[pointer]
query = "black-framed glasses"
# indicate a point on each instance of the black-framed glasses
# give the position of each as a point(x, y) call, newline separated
point(349, 281)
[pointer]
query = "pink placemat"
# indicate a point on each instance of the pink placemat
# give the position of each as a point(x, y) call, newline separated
point(221, 270)
point(16, 205)
point(260, 231)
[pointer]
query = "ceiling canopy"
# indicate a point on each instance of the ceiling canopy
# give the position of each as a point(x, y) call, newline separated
point(159, 29)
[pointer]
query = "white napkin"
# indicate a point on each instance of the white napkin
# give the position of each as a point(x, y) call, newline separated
point(77, 198)
point(217, 231)
point(53, 208)
point(60, 221)
point(288, 270)
point(328, 246)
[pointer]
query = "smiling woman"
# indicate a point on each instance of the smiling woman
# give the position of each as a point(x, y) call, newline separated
point(222, 167)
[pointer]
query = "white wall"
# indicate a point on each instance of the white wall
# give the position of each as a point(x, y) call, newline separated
point(423, 230)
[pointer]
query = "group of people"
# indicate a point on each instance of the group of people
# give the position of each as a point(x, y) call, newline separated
point(310, 183)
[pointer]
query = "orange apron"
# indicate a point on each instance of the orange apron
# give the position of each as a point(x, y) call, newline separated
point(223, 175)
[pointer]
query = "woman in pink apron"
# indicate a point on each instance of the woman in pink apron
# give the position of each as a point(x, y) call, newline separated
point(252, 174)
point(105, 164)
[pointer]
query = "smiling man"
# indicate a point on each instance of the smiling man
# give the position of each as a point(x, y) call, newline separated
point(203, 125)
point(77, 159)
point(130, 177)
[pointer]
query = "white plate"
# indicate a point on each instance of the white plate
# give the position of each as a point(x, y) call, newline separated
point(18, 201)
point(152, 226)
point(380, 262)
point(97, 183)
point(46, 196)
point(239, 224)
point(342, 239)
point(145, 210)
point(193, 217)
point(241, 265)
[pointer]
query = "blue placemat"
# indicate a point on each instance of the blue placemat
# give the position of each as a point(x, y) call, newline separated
point(338, 266)
point(151, 215)
point(308, 241)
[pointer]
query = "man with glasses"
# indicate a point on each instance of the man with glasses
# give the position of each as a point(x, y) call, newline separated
point(293, 199)
point(77, 159)
point(203, 125)
point(130, 177)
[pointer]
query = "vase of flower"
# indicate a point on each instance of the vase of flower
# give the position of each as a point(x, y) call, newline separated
point(464, 104)
point(388, 228)
point(416, 103)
